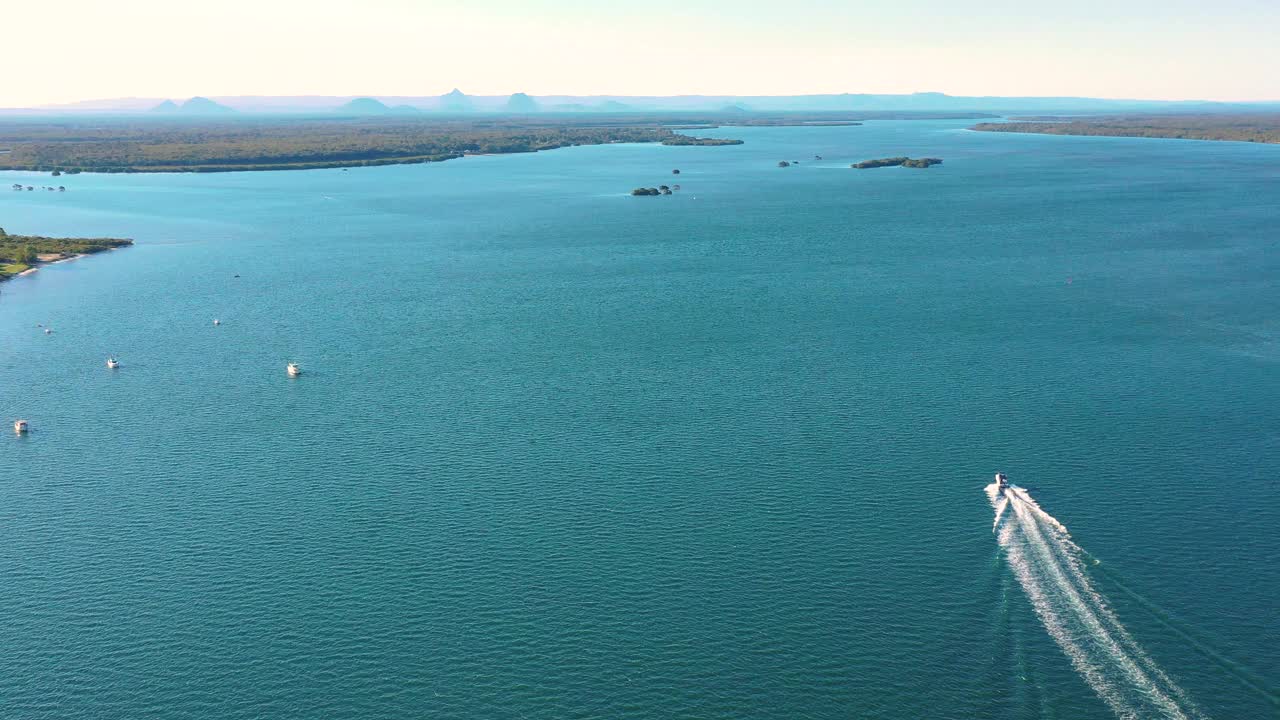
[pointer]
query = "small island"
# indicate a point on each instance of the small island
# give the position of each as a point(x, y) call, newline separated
point(683, 140)
point(21, 254)
point(897, 162)
point(783, 163)
point(660, 190)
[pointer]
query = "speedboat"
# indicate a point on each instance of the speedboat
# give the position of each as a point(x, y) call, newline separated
point(20, 427)
point(293, 370)
point(1002, 483)
point(113, 363)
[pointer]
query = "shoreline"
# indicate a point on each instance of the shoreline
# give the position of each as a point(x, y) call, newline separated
point(84, 248)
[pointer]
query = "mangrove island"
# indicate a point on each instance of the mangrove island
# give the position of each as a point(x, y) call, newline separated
point(897, 162)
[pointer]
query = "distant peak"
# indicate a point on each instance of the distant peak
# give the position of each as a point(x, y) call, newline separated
point(522, 103)
point(364, 106)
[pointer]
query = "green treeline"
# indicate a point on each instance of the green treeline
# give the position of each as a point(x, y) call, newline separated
point(1253, 127)
point(19, 252)
point(690, 140)
point(124, 145)
point(897, 162)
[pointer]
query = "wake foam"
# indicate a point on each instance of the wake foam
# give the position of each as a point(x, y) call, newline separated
point(1050, 568)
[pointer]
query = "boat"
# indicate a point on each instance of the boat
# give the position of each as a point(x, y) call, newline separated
point(113, 363)
point(216, 321)
point(1002, 483)
point(20, 427)
point(48, 331)
point(293, 370)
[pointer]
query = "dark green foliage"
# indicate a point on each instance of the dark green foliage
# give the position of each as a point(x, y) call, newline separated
point(169, 145)
point(24, 249)
point(1252, 127)
point(690, 140)
point(896, 162)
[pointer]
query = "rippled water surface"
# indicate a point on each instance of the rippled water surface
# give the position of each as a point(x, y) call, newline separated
point(561, 452)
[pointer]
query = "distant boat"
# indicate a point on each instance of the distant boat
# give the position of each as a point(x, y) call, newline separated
point(216, 321)
point(20, 427)
point(113, 363)
point(293, 370)
point(48, 331)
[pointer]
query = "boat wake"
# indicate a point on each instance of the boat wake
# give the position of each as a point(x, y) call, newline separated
point(1051, 569)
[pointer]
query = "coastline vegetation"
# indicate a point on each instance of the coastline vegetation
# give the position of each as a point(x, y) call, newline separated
point(897, 162)
point(127, 145)
point(19, 253)
point(682, 140)
point(1251, 127)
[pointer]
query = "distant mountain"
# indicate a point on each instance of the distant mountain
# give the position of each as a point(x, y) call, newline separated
point(168, 106)
point(364, 106)
point(853, 103)
point(203, 106)
point(521, 103)
point(455, 101)
point(736, 109)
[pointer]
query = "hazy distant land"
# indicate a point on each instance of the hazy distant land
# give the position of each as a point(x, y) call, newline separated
point(162, 143)
point(1243, 127)
point(458, 102)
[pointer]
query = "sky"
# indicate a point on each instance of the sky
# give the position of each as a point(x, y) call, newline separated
point(72, 50)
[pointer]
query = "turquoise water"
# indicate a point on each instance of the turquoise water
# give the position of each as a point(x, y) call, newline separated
point(561, 452)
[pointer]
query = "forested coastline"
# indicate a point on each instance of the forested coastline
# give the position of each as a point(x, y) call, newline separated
point(1251, 127)
point(70, 146)
point(19, 253)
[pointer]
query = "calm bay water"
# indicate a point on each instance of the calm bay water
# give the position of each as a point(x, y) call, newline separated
point(561, 452)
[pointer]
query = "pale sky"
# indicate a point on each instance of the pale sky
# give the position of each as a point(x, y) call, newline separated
point(65, 50)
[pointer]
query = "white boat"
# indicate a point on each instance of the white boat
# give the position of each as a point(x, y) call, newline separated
point(1002, 483)
point(20, 427)
point(216, 321)
point(48, 331)
point(293, 370)
point(113, 363)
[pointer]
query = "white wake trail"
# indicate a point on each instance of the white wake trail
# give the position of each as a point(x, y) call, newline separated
point(1048, 566)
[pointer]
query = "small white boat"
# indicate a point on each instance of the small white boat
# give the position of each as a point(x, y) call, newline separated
point(216, 321)
point(1002, 483)
point(113, 363)
point(293, 370)
point(20, 427)
point(48, 331)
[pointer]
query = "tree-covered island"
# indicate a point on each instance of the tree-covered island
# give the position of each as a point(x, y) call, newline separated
point(20, 253)
point(1240, 127)
point(897, 162)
